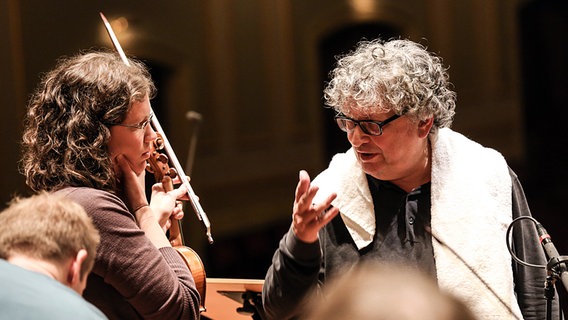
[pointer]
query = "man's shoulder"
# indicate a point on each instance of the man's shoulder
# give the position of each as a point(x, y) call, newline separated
point(32, 295)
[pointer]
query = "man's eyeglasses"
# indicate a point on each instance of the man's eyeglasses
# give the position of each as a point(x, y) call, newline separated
point(142, 125)
point(371, 127)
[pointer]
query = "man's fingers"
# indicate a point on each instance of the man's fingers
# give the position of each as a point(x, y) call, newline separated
point(303, 184)
point(327, 215)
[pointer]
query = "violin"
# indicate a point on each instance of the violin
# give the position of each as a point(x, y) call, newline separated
point(164, 142)
point(158, 166)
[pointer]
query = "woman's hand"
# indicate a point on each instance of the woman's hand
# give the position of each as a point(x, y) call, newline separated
point(308, 217)
point(165, 204)
point(133, 184)
point(153, 218)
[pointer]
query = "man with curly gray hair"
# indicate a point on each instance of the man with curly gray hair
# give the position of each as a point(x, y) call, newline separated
point(410, 191)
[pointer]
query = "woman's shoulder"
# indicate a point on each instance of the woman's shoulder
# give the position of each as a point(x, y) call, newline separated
point(87, 194)
point(94, 200)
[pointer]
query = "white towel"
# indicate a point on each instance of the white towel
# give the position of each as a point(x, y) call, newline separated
point(471, 210)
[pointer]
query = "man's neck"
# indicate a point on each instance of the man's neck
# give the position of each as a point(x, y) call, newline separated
point(47, 268)
point(419, 175)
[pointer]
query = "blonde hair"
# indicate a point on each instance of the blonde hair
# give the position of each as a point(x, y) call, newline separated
point(47, 227)
point(372, 291)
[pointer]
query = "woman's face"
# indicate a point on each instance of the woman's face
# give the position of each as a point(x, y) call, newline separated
point(131, 139)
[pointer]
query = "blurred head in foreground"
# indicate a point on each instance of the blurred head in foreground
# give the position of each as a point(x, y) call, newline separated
point(373, 291)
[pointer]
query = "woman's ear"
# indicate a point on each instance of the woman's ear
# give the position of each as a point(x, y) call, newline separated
point(424, 127)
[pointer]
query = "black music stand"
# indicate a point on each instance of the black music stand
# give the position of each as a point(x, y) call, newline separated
point(232, 299)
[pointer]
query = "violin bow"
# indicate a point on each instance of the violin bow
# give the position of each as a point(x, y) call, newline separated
point(193, 199)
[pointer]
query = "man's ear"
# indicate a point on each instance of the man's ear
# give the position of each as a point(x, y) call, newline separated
point(74, 279)
point(424, 127)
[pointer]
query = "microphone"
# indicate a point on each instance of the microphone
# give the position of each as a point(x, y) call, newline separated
point(193, 115)
point(552, 253)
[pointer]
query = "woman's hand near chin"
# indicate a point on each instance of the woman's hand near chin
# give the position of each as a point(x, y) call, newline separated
point(134, 195)
point(131, 183)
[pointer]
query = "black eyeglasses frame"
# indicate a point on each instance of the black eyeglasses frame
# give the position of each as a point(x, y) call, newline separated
point(342, 121)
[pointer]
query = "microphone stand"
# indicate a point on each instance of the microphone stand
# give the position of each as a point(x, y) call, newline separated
point(556, 266)
point(196, 118)
point(556, 269)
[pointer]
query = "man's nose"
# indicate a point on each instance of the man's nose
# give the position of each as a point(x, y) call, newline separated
point(357, 137)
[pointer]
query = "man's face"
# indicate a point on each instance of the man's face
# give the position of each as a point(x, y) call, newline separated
point(398, 155)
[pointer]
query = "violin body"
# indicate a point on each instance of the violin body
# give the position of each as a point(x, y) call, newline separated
point(158, 165)
point(195, 265)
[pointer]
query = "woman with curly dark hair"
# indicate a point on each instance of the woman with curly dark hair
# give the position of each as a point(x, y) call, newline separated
point(87, 136)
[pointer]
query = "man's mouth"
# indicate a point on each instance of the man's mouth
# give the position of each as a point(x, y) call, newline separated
point(366, 156)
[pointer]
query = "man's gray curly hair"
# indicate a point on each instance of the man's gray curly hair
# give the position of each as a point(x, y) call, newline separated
point(397, 75)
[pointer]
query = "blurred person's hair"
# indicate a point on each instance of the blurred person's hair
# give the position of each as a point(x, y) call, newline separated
point(372, 291)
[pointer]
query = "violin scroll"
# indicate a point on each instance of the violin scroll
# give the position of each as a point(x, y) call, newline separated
point(158, 162)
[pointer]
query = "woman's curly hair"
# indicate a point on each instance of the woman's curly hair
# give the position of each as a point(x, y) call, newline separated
point(66, 130)
point(397, 75)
